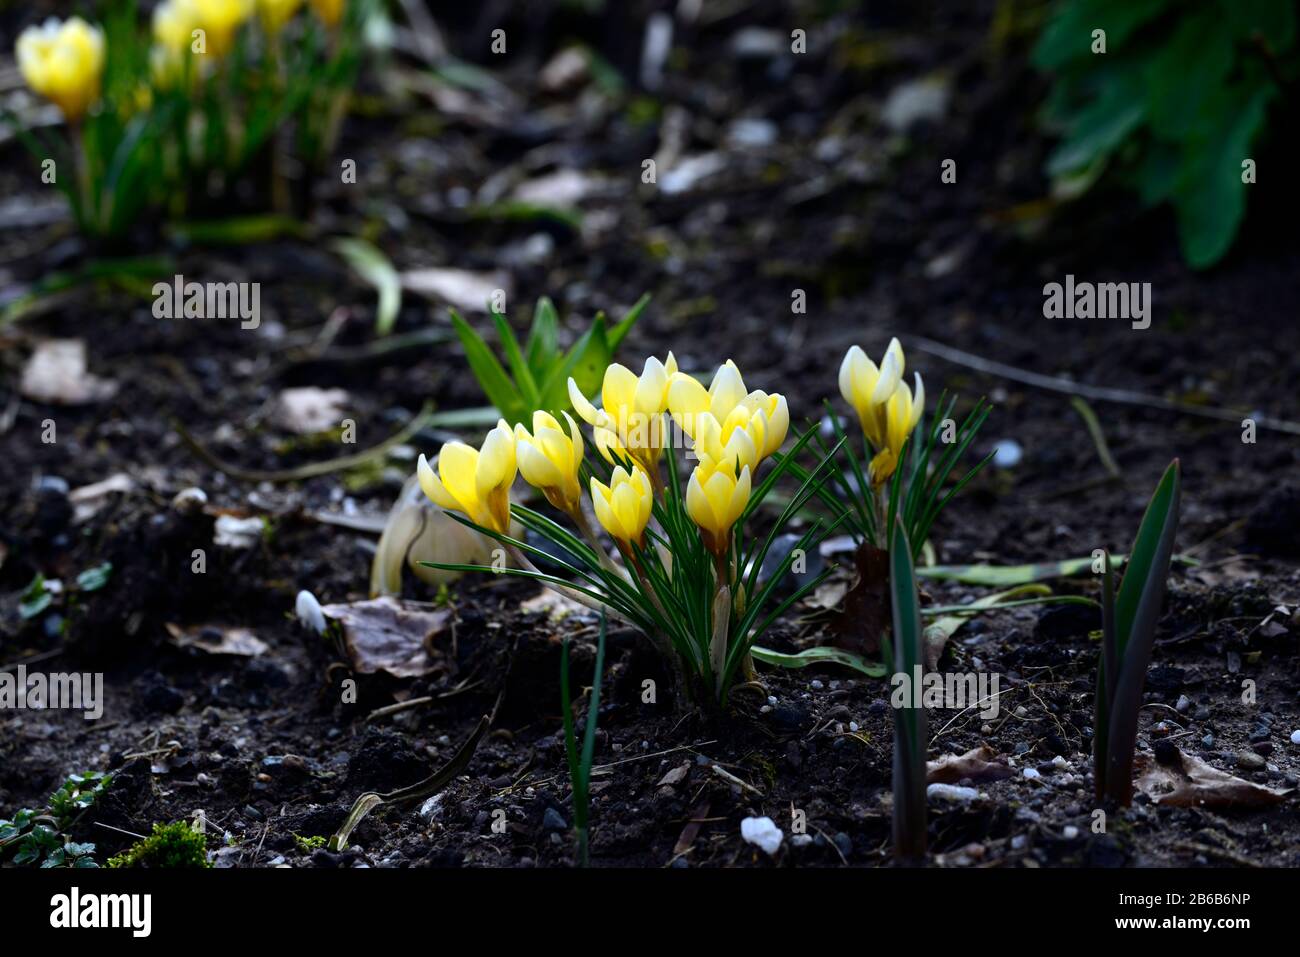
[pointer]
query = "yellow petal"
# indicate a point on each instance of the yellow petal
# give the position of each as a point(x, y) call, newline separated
point(618, 391)
point(586, 411)
point(433, 487)
point(726, 391)
point(457, 468)
point(686, 400)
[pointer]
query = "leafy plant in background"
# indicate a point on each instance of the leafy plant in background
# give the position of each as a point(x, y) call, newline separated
point(1129, 619)
point(33, 836)
point(160, 118)
point(168, 847)
point(910, 740)
point(688, 575)
point(1173, 107)
point(897, 475)
point(539, 370)
point(580, 762)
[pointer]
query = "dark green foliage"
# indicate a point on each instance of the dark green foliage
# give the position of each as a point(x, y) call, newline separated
point(909, 722)
point(175, 845)
point(1175, 104)
point(539, 370)
point(1128, 633)
point(33, 836)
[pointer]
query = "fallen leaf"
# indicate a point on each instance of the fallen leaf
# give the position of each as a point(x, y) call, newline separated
point(564, 188)
point(978, 764)
point(218, 640)
point(552, 604)
point(466, 291)
point(388, 635)
point(866, 615)
point(1186, 781)
point(56, 373)
point(676, 776)
point(89, 499)
point(308, 409)
point(699, 814)
point(229, 531)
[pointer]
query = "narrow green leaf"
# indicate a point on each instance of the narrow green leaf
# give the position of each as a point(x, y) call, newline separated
point(375, 268)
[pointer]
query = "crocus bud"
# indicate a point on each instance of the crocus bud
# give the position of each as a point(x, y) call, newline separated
point(715, 498)
point(549, 459)
point(475, 482)
point(623, 506)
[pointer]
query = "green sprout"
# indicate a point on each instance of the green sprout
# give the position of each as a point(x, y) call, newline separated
point(580, 764)
point(41, 836)
point(539, 370)
point(1129, 619)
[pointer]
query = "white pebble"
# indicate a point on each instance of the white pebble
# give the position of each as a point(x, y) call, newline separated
point(1007, 454)
point(1032, 774)
point(1060, 763)
point(1295, 737)
point(763, 832)
point(951, 792)
point(1070, 832)
point(853, 726)
point(816, 685)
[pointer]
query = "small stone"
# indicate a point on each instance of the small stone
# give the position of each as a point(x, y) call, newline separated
point(552, 820)
point(1070, 832)
point(816, 684)
point(1007, 454)
point(1060, 763)
point(951, 792)
point(1019, 842)
point(1032, 774)
point(1295, 737)
point(190, 500)
point(1184, 704)
point(1250, 761)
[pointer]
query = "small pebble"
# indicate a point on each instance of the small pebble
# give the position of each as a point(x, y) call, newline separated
point(1070, 832)
point(1250, 761)
point(1295, 736)
point(1032, 774)
point(1184, 704)
point(951, 792)
point(1060, 763)
point(816, 684)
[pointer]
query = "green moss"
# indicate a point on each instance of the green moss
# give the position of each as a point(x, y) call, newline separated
point(309, 844)
point(175, 845)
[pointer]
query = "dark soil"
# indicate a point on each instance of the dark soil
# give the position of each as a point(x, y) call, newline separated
point(835, 205)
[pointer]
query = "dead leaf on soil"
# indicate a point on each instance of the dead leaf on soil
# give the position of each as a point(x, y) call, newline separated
point(466, 291)
point(1187, 781)
point(552, 604)
point(978, 764)
point(308, 409)
point(385, 634)
point(56, 373)
point(218, 640)
point(866, 612)
point(676, 776)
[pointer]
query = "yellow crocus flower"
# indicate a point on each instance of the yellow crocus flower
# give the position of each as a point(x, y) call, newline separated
point(867, 387)
point(220, 20)
point(725, 420)
point(274, 14)
point(473, 481)
point(623, 506)
point(716, 496)
point(330, 12)
point(631, 422)
point(63, 62)
point(549, 460)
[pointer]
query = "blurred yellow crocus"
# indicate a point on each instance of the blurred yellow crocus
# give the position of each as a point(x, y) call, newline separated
point(63, 62)
point(623, 506)
point(716, 496)
point(886, 407)
point(220, 20)
point(549, 460)
point(330, 12)
point(473, 481)
point(274, 14)
point(725, 420)
point(631, 422)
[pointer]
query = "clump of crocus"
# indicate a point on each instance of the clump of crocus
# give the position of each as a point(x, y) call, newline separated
point(220, 21)
point(63, 62)
point(330, 12)
point(904, 470)
point(683, 567)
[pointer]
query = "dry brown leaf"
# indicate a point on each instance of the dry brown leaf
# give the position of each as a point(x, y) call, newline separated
point(978, 764)
point(56, 373)
point(1187, 781)
point(218, 640)
point(866, 612)
point(676, 776)
point(385, 634)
